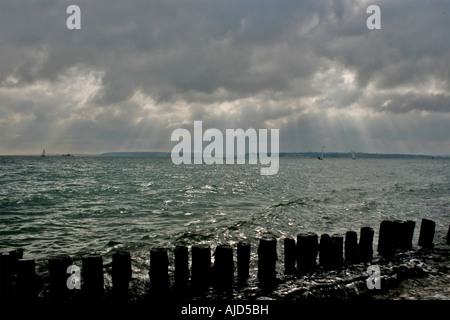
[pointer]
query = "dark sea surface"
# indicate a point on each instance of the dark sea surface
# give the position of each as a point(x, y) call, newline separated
point(77, 205)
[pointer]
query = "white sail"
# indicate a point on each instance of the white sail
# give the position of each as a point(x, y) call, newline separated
point(353, 156)
point(321, 157)
point(43, 153)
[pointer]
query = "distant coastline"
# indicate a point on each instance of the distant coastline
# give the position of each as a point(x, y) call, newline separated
point(295, 155)
point(305, 155)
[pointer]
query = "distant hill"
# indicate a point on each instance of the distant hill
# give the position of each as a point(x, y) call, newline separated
point(136, 154)
point(358, 155)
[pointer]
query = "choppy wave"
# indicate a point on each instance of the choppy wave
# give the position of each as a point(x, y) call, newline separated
point(74, 205)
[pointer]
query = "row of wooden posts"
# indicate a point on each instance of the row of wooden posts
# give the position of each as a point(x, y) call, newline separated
point(17, 275)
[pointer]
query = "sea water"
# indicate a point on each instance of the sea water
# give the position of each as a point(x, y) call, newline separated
point(77, 205)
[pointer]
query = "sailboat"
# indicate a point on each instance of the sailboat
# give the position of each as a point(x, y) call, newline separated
point(321, 157)
point(43, 153)
point(353, 156)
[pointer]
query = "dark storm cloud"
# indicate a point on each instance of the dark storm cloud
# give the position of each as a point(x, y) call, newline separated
point(412, 46)
point(245, 47)
point(155, 65)
point(166, 48)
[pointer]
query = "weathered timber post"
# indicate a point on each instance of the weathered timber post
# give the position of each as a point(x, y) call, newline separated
point(337, 248)
point(121, 273)
point(267, 257)
point(223, 266)
point(409, 234)
point(159, 269)
point(289, 255)
point(201, 265)
point(26, 279)
point(351, 247)
point(5, 276)
point(386, 238)
point(243, 260)
point(181, 254)
point(427, 233)
point(92, 273)
point(365, 246)
point(325, 251)
point(307, 250)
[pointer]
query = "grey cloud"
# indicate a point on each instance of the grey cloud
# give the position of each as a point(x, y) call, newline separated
point(167, 48)
point(409, 101)
point(264, 57)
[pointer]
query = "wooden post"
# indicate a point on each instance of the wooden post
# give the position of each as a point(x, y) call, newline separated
point(337, 248)
point(267, 258)
point(351, 247)
point(201, 265)
point(386, 238)
point(181, 266)
point(400, 235)
point(5, 277)
point(223, 266)
point(57, 269)
point(307, 249)
point(26, 279)
point(243, 260)
point(121, 273)
point(159, 269)
point(289, 255)
point(365, 247)
point(92, 273)
point(325, 250)
point(409, 234)
point(426, 233)
point(15, 256)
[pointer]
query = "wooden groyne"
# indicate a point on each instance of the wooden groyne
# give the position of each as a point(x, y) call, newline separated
point(306, 253)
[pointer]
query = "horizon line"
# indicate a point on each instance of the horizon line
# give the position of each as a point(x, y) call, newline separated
point(224, 155)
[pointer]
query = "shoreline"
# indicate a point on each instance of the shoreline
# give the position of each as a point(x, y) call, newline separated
point(400, 274)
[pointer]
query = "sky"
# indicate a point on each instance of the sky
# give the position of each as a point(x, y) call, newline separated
point(138, 70)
